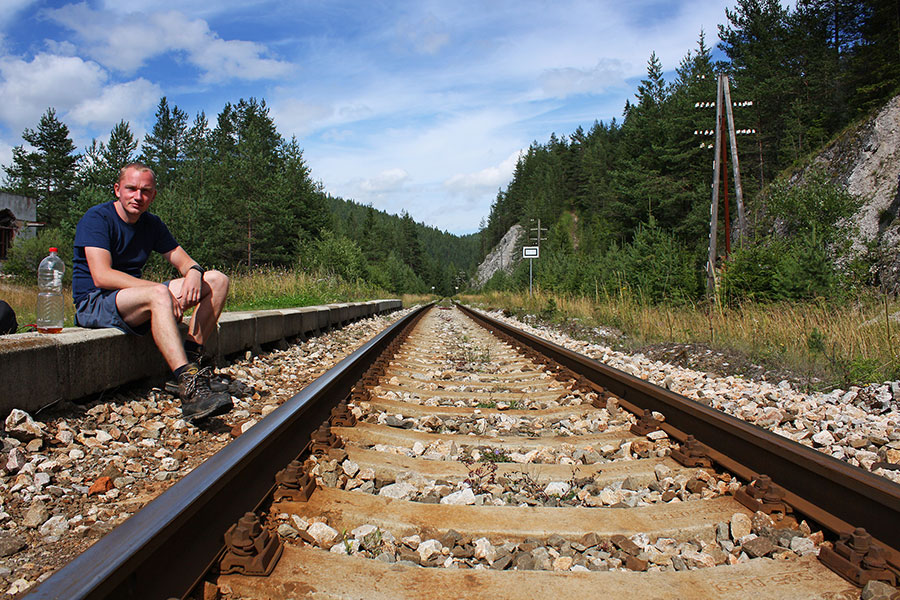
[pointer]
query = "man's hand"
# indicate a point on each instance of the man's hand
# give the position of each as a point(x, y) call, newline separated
point(190, 290)
point(177, 309)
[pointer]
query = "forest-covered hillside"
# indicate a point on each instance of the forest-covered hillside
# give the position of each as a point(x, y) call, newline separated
point(628, 202)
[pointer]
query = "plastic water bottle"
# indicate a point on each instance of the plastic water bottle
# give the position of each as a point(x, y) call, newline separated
point(50, 300)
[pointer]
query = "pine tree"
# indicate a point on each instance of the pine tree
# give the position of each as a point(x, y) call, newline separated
point(410, 247)
point(163, 147)
point(261, 184)
point(757, 42)
point(48, 172)
point(100, 163)
point(120, 149)
point(306, 200)
point(873, 72)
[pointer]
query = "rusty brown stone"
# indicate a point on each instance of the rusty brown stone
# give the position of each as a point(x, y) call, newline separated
point(101, 486)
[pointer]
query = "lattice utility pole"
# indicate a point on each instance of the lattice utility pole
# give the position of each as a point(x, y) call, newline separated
point(538, 232)
point(724, 126)
point(532, 252)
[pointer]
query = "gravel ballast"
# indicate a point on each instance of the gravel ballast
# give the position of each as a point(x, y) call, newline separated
point(71, 475)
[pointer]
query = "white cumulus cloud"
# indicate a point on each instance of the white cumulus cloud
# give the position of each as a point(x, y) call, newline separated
point(485, 180)
point(5, 153)
point(126, 101)
point(562, 82)
point(297, 117)
point(9, 9)
point(387, 181)
point(79, 90)
point(28, 88)
point(124, 42)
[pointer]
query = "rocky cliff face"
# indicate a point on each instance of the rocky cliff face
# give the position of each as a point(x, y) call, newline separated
point(501, 257)
point(866, 160)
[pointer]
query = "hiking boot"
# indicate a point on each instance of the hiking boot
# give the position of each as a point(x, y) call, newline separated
point(216, 384)
point(222, 383)
point(198, 400)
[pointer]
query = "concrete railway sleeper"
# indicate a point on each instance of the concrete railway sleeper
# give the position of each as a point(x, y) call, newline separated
point(455, 455)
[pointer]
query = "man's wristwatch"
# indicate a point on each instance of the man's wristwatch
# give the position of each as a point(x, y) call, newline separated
point(198, 268)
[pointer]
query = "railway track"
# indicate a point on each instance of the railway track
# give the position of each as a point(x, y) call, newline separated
point(462, 464)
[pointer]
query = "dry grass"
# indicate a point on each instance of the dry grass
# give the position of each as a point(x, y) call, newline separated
point(414, 299)
point(852, 342)
point(23, 300)
point(284, 288)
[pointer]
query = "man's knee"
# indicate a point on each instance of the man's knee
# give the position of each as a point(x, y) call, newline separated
point(160, 297)
point(218, 281)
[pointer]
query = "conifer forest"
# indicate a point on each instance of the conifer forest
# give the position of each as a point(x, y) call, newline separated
point(625, 202)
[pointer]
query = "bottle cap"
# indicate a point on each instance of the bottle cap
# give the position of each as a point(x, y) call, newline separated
point(53, 250)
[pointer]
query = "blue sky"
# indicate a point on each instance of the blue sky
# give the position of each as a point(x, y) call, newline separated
point(420, 106)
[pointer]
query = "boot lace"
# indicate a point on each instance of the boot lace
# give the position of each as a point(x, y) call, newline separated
point(197, 383)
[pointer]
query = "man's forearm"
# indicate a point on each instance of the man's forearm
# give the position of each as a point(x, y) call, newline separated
point(112, 279)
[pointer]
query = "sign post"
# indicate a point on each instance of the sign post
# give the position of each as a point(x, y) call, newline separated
point(531, 253)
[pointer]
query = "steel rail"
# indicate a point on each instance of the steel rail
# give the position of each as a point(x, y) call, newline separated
point(837, 495)
point(164, 550)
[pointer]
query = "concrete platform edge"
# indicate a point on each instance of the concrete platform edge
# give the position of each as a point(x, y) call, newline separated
point(39, 369)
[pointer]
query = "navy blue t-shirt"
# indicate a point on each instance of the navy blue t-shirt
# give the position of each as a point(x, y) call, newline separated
point(129, 245)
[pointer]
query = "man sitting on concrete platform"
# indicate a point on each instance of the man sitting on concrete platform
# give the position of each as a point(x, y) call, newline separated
point(112, 244)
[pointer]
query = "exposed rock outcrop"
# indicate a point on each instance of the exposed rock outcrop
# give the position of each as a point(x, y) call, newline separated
point(866, 160)
point(502, 257)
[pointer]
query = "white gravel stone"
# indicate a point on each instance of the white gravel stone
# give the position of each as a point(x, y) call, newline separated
point(15, 460)
point(662, 471)
point(363, 530)
point(740, 526)
point(399, 491)
point(484, 550)
point(65, 437)
point(823, 438)
point(21, 426)
point(462, 497)
point(285, 530)
point(557, 488)
point(429, 548)
point(350, 468)
point(322, 533)
point(19, 585)
point(300, 523)
point(803, 546)
point(54, 526)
